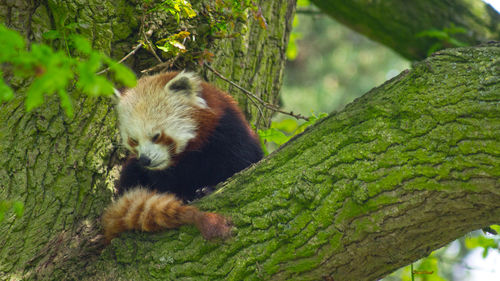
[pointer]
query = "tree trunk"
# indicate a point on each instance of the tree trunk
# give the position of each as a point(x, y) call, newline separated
point(397, 23)
point(407, 168)
point(63, 169)
point(256, 60)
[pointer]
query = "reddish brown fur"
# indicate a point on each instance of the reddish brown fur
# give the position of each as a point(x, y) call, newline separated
point(166, 141)
point(216, 98)
point(208, 119)
point(141, 209)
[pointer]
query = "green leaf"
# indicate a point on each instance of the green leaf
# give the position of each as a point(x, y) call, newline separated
point(92, 65)
point(53, 70)
point(434, 47)
point(56, 76)
point(6, 92)
point(167, 48)
point(95, 86)
point(292, 50)
point(18, 208)
point(12, 43)
point(81, 44)
point(71, 26)
point(481, 241)
point(454, 29)
point(303, 3)
point(123, 74)
point(496, 227)
point(34, 95)
point(66, 103)
point(457, 43)
point(286, 125)
point(433, 33)
point(4, 207)
point(189, 12)
point(51, 35)
point(273, 135)
point(312, 120)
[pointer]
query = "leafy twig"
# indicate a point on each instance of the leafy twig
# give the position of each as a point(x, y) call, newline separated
point(136, 48)
point(147, 42)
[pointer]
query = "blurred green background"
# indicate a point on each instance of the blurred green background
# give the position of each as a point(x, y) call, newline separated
point(330, 65)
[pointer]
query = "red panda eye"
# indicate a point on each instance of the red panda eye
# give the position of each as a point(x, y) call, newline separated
point(155, 138)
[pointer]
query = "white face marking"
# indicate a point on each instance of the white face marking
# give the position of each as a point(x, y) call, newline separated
point(152, 108)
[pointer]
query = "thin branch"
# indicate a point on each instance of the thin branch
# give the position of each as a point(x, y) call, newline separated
point(252, 96)
point(167, 64)
point(260, 111)
point(148, 43)
point(136, 48)
point(248, 93)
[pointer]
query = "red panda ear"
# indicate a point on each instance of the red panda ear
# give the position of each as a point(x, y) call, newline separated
point(186, 83)
point(118, 94)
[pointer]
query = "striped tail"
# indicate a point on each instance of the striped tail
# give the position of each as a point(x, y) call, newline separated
point(145, 210)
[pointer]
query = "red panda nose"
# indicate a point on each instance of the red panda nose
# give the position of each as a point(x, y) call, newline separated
point(144, 161)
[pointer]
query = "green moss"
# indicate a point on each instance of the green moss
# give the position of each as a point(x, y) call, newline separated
point(303, 265)
point(382, 200)
point(349, 210)
point(261, 223)
point(363, 227)
point(326, 212)
point(125, 250)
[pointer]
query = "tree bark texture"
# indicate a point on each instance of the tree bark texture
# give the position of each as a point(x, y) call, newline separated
point(396, 23)
point(63, 169)
point(401, 171)
point(256, 60)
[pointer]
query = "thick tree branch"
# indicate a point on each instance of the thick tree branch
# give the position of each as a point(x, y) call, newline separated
point(397, 23)
point(400, 172)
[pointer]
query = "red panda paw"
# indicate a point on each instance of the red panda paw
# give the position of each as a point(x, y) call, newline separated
point(213, 226)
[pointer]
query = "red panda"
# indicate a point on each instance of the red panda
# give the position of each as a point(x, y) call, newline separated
point(183, 135)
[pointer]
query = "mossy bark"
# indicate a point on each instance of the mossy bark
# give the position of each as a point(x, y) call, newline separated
point(402, 171)
point(397, 23)
point(256, 59)
point(63, 169)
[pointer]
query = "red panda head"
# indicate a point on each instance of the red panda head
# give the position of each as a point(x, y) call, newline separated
point(156, 118)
